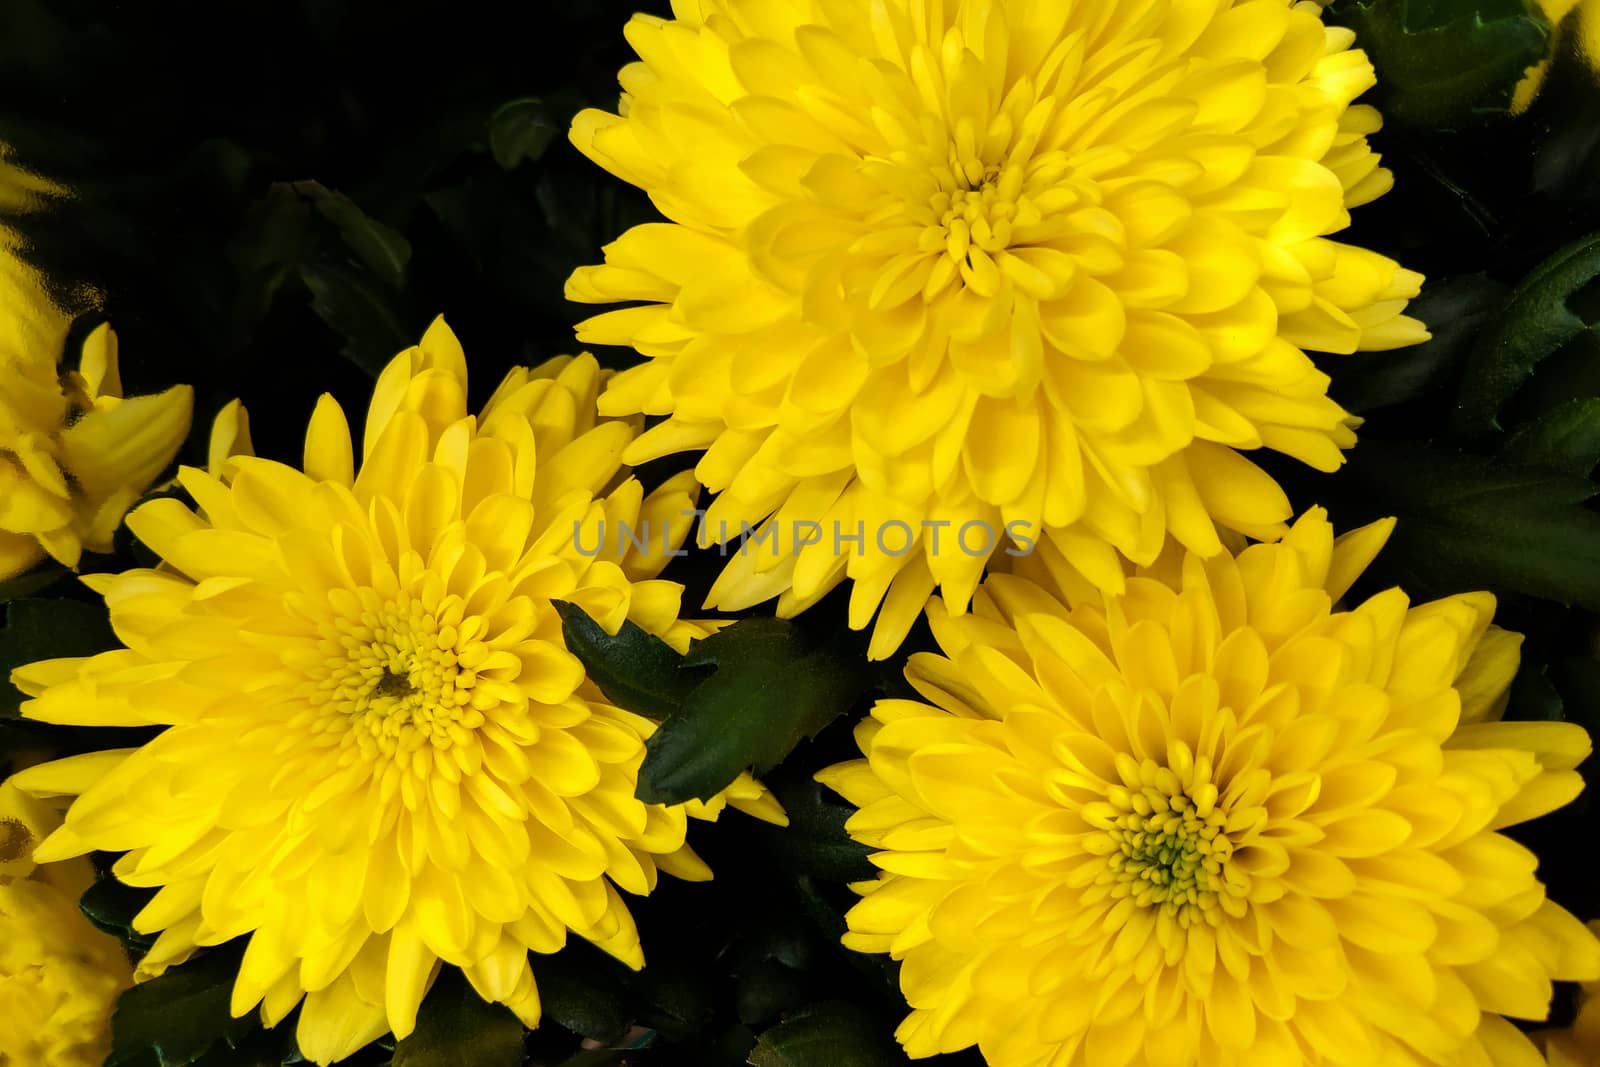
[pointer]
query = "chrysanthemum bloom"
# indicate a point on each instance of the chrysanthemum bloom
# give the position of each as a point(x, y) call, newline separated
point(1579, 17)
point(1579, 1044)
point(1214, 821)
point(379, 753)
point(987, 262)
point(74, 454)
point(59, 976)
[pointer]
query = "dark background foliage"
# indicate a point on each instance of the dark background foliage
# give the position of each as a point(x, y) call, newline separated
point(271, 200)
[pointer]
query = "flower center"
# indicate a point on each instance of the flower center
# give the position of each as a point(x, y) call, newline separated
point(396, 680)
point(15, 840)
point(1166, 845)
point(980, 211)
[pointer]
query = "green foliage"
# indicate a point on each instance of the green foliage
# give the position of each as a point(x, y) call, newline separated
point(1466, 523)
point(771, 684)
point(37, 629)
point(583, 991)
point(182, 1015)
point(1456, 311)
point(634, 670)
point(456, 1027)
point(774, 685)
point(815, 842)
point(111, 906)
point(1552, 306)
point(1444, 64)
point(1565, 440)
point(827, 1035)
point(521, 130)
point(411, 161)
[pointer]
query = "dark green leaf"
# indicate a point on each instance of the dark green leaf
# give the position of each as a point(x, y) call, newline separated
point(1468, 523)
point(274, 237)
point(635, 670)
point(1548, 309)
point(35, 581)
point(767, 988)
point(1567, 440)
point(1446, 64)
point(111, 906)
point(675, 996)
point(815, 841)
point(1455, 310)
point(773, 685)
point(381, 250)
point(1532, 696)
point(580, 990)
point(181, 1014)
point(48, 629)
point(828, 1035)
point(457, 1027)
point(1577, 679)
point(358, 310)
point(520, 131)
point(260, 1048)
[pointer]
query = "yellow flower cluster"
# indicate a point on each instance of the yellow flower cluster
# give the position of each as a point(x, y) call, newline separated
point(1039, 266)
point(74, 454)
point(401, 764)
point(59, 976)
point(1213, 819)
point(1048, 268)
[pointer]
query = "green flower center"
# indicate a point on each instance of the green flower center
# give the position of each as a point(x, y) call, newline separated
point(1166, 845)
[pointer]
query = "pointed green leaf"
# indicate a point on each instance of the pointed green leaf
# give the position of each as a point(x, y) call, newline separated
point(457, 1027)
point(111, 906)
point(815, 841)
point(635, 670)
point(1456, 310)
point(181, 1014)
point(375, 246)
point(520, 131)
point(1558, 301)
point(1446, 64)
point(774, 684)
point(834, 1034)
point(357, 309)
point(1567, 440)
point(1466, 522)
point(579, 989)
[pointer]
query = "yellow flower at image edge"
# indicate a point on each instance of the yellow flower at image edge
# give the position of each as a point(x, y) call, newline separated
point(59, 976)
point(74, 454)
point(987, 262)
point(379, 754)
point(1579, 1044)
point(1213, 820)
point(1566, 17)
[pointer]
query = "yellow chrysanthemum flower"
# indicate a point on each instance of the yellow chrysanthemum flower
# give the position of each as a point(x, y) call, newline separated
point(988, 262)
point(74, 455)
point(59, 976)
point(380, 754)
point(1579, 1044)
point(1585, 23)
point(1212, 820)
